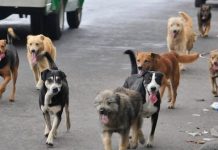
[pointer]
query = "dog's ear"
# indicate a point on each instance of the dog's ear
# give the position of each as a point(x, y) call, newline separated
point(29, 36)
point(63, 75)
point(44, 73)
point(42, 37)
point(117, 98)
point(155, 56)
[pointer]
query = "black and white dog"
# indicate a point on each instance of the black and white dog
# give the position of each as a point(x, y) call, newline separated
point(54, 97)
point(147, 83)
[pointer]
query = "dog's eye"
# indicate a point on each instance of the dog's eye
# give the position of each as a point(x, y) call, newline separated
point(50, 80)
point(146, 61)
point(30, 44)
point(138, 60)
point(2, 46)
point(37, 44)
point(58, 80)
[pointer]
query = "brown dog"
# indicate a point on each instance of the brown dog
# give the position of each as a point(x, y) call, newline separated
point(168, 64)
point(36, 46)
point(204, 19)
point(9, 62)
point(213, 68)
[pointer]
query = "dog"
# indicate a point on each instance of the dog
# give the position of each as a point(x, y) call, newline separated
point(147, 84)
point(36, 44)
point(53, 98)
point(213, 69)
point(180, 34)
point(119, 111)
point(9, 63)
point(204, 19)
point(167, 63)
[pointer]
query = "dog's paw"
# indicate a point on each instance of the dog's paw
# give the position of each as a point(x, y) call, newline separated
point(141, 140)
point(171, 107)
point(49, 141)
point(49, 144)
point(39, 85)
point(149, 143)
point(132, 145)
point(11, 100)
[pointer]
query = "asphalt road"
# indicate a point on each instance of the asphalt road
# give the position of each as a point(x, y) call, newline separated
point(92, 57)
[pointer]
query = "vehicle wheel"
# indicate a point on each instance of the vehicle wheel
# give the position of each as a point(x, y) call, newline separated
point(198, 3)
point(37, 23)
point(54, 23)
point(74, 18)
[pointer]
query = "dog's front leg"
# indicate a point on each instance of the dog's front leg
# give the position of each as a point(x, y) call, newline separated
point(124, 142)
point(207, 30)
point(136, 133)
point(53, 131)
point(35, 72)
point(7, 79)
point(47, 123)
point(106, 138)
point(213, 86)
point(154, 119)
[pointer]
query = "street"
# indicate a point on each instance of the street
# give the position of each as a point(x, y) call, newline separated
point(92, 58)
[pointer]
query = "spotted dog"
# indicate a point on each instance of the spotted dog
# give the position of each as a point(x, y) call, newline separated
point(147, 83)
point(54, 97)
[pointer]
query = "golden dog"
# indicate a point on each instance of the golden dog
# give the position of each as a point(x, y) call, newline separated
point(36, 46)
point(180, 36)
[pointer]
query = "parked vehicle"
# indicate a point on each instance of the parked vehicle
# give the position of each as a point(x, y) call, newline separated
point(47, 16)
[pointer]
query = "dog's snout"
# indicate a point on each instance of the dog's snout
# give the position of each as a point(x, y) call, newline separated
point(102, 111)
point(55, 90)
point(174, 31)
point(33, 51)
point(153, 88)
point(140, 67)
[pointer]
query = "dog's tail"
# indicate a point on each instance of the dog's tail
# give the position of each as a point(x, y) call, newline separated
point(187, 58)
point(133, 61)
point(186, 17)
point(11, 35)
point(51, 61)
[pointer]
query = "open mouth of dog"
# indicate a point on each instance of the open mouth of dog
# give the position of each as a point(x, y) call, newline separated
point(33, 57)
point(104, 116)
point(214, 67)
point(175, 33)
point(2, 55)
point(152, 97)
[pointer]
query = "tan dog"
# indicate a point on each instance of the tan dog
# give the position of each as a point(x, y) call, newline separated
point(37, 45)
point(9, 63)
point(213, 68)
point(168, 64)
point(180, 36)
